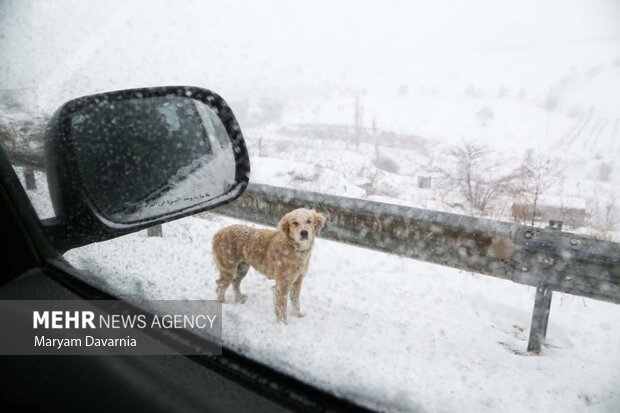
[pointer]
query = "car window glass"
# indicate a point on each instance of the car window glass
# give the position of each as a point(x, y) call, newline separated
point(504, 113)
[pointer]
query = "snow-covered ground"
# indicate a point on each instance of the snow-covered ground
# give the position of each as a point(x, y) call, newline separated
point(389, 332)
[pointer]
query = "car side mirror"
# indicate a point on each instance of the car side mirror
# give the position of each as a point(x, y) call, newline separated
point(121, 161)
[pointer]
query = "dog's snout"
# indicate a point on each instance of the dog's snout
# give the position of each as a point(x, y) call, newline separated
point(303, 233)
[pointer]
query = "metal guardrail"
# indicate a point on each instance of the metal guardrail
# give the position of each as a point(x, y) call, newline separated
point(531, 256)
point(33, 159)
point(547, 259)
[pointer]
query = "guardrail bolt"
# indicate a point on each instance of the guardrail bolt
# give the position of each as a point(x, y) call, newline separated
point(31, 183)
point(548, 260)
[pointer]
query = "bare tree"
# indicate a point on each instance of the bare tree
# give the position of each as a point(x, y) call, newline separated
point(485, 115)
point(358, 121)
point(550, 103)
point(375, 134)
point(537, 174)
point(502, 92)
point(604, 217)
point(260, 146)
point(604, 171)
point(475, 173)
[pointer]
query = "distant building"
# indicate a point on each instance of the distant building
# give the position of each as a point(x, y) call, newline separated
point(424, 182)
point(572, 211)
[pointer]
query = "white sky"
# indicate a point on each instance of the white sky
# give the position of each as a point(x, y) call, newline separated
point(245, 48)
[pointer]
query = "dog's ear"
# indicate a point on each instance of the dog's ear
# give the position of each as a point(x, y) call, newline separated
point(284, 224)
point(319, 222)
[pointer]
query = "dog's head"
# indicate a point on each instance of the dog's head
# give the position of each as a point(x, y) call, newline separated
point(302, 225)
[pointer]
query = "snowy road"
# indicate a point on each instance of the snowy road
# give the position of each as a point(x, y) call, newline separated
point(389, 332)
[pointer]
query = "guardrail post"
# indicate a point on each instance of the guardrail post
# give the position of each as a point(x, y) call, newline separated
point(542, 307)
point(31, 183)
point(540, 319)
point(154, 231)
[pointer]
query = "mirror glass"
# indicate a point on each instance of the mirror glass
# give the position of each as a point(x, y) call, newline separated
point(145, 157)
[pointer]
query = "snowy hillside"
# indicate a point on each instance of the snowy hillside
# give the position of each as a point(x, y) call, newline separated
point(521, 78)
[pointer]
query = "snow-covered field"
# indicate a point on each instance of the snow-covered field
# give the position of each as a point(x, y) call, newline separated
point(342, 168)
point(389, 332)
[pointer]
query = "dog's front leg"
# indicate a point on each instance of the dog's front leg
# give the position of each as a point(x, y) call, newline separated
point(223, 282)
point(295, 296)
point(280, 294)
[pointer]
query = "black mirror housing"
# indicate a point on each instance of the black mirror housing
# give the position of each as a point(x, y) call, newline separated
point(122, 161)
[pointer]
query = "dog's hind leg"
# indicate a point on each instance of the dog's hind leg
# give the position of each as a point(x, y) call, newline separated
point(226, 277)
point(242, 270)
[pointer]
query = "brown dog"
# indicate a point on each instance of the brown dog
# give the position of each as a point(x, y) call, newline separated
point(282, 255)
